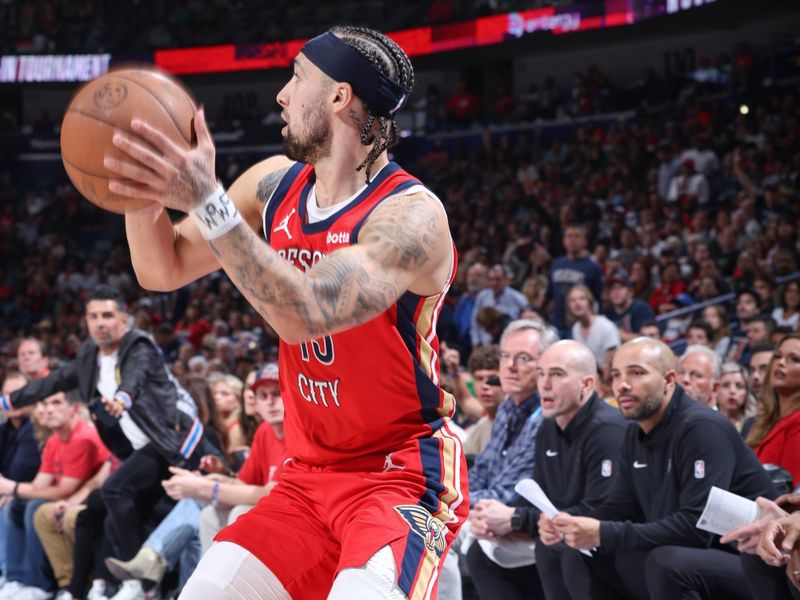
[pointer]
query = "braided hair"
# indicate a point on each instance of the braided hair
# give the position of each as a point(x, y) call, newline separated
point(386, 56)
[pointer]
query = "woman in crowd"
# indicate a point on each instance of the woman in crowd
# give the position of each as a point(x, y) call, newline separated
point(734, 399)
point(775, 435)
point(227, 392)
point(716, 316)
point(249, 420)
point(787, 314)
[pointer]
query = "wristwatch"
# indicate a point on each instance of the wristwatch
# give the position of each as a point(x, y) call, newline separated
point(516, 520)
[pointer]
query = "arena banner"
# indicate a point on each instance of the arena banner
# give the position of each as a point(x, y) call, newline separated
point(47, 68)
point(419, 41)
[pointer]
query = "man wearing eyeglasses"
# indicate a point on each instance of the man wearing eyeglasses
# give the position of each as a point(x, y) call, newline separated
point(508, 457)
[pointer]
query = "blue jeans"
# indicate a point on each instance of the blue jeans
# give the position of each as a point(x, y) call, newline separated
point(175, 538)
point(26, 560)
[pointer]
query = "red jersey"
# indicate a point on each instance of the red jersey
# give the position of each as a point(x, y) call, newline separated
point(367, 390)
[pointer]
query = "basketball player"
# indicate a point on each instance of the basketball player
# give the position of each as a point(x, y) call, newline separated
point(352, 278)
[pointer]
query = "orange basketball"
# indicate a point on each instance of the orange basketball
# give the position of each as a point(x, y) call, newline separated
point(108, 103)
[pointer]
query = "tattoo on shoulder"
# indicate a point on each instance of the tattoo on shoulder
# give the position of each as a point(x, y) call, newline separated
point(268, 184)
point(404, 232)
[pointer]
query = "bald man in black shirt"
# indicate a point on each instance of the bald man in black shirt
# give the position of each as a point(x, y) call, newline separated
point(648, 545)
point(576, 457)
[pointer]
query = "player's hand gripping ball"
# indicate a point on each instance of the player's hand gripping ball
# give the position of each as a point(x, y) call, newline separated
point(109, 103)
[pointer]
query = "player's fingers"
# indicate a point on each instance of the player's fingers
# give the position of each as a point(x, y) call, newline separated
point(146, 156)
point(135, 171)
point(161, 142)
point(133, 189)
point(204, 139)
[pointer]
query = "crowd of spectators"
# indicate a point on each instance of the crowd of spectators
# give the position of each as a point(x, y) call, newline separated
point(598, 231)
point(129, 26)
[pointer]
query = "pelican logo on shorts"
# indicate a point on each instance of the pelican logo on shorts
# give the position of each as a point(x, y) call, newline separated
point(111, 95)
point(605, 468)
point(425, 526)
point(699, 469)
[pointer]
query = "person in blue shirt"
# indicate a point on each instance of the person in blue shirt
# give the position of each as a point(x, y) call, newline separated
point(626, 312)
point(465, 308)
point(508, 457)
point(19, 450)
point(575, 267)
point(500, 296)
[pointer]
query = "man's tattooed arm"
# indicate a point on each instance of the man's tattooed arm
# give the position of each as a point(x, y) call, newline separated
point(405, 240)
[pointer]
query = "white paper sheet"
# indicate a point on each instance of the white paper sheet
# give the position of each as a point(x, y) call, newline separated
point(725, 511)
point(533, 493)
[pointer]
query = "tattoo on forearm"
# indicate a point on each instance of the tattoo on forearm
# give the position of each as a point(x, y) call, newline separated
point(340, 291)
point(268, 185)
point(193, 184)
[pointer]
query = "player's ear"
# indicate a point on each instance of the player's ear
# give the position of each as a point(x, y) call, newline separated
point(341, 95)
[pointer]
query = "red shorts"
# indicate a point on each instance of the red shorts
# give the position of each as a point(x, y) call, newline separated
point(320, 520)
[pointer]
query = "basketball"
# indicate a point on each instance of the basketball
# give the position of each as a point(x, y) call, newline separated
point(108, 103)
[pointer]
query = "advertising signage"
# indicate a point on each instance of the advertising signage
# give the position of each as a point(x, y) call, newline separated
point(46, 68)
point(419, 41)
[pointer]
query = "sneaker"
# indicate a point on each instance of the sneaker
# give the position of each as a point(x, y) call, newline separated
point(98, 590)
point(130, 590)
point(10, 590)
point(29, 592)
point(64, 595)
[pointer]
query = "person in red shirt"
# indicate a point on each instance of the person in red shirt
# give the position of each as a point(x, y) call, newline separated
point(71, 456)
point(775, 435)
point(462, 107)
point(664, 297)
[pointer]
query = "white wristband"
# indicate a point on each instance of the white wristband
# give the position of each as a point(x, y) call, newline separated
point(216, 215)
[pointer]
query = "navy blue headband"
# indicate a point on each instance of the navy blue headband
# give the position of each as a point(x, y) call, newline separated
point(341, 62)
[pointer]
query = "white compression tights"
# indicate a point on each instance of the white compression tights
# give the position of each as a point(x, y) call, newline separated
point(229, 572)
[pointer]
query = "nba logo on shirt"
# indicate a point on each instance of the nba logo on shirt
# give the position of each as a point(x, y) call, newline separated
point(699, 469)
point(605, 468)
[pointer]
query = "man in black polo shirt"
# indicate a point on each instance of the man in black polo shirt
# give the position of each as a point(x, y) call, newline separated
point(648, 545)
point(576, 457)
